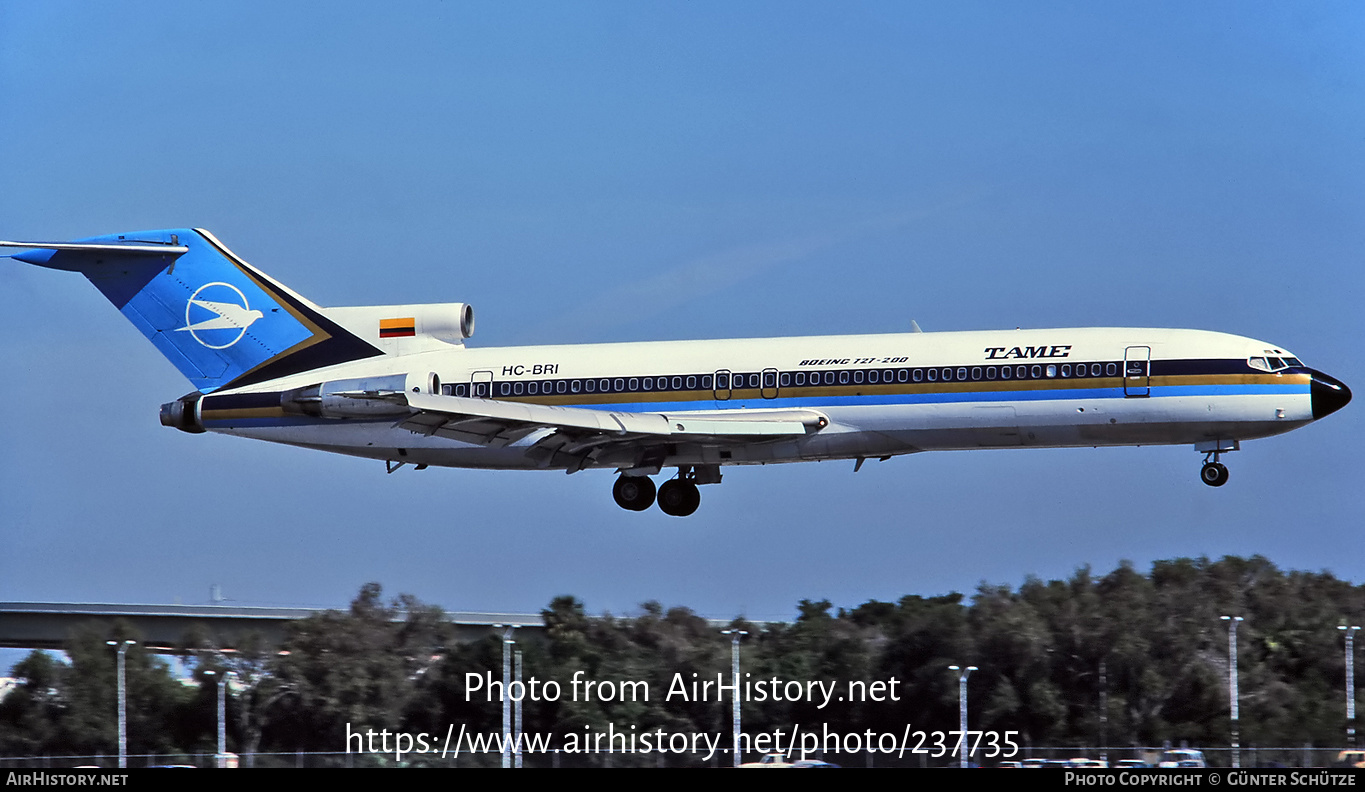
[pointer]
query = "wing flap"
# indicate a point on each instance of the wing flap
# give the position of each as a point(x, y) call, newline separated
point(500, 423)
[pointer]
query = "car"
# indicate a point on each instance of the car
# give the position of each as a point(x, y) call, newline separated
point(1182, 757)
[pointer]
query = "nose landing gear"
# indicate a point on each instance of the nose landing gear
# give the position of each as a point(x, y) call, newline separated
point(1214, 474)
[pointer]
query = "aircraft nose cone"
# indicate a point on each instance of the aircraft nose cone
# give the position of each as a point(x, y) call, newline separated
point(1329, 394)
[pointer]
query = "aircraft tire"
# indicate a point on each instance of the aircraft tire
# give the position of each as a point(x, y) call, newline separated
point(633, 493)
point(1214, 474)
point(678, 498)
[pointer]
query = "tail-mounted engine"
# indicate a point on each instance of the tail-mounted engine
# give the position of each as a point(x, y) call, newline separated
point(184, 413)
point(405, 329)
point(366, 397)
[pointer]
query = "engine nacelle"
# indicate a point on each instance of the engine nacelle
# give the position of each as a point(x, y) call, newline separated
point(450, 322)
point(183, 413)
point(366, 397)
point(407, 325)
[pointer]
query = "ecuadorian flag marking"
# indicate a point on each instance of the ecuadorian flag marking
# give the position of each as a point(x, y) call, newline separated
point(398, 328)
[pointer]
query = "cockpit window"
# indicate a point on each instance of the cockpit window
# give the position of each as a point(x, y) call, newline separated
point(1271, 363)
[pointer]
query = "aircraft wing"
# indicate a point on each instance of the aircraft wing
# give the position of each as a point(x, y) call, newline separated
point(584, 433)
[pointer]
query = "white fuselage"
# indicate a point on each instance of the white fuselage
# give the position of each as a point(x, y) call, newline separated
point(883, 394)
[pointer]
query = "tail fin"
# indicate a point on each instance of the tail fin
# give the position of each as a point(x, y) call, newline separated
point(220, 321)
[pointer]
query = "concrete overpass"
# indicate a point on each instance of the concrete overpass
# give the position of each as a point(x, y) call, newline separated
point(46, 625)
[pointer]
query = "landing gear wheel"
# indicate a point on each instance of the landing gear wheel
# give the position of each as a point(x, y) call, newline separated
point(1214, 474)
point(635, 493)
point(679, 497)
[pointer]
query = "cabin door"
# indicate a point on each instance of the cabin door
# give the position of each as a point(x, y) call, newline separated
point(481, 385)
point(1137, 367)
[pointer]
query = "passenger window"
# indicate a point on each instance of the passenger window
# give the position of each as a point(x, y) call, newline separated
point(976, 372)
point(706, 382)
point(589, 385)
point(1066, 369)
point(461, 390)
point(933, 375)
point(947, 375)
point(753, 380)
point(649, 383)
point(786, 379)
point(533, 388)
point(990, 372)
point(1037, 372)
point(618, 385)
point(904, 376)
point(561, 386)
point(677, 383)
point(962, 374)
point(634, 384)
point(518, 388)
point(1051, 370)
point(1021, 372)
point(873, 376)
point(1111, 369)
point(800, 378)
point(1005, 372)
point(1094, 369)
point(887, 375)
point(857, 378)
point(829, 377)
point(843, 378)
point(919, 375)
point(692, 382)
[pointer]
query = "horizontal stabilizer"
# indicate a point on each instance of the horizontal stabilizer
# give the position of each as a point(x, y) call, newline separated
point(132, 248)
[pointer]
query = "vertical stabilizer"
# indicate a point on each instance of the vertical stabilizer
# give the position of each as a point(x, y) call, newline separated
point(220, 321)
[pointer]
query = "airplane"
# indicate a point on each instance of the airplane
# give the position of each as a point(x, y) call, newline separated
point(397, 383)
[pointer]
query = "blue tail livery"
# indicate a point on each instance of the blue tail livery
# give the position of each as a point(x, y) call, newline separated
point(220, 321)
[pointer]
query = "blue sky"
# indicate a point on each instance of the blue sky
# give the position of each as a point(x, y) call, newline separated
point(628, 171)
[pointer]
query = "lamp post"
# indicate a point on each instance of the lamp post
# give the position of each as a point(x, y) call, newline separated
point(122, 703)
point(516, 725)
point(964, 743)
point(507, 643)
point(1350, 685)
point(734, 680)
point(221, 759)
point(1232, 684)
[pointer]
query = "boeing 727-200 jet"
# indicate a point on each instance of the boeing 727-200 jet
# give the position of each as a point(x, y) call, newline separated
point(397, 383)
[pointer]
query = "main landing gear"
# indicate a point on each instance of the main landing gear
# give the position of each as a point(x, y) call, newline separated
point(677, 497)
point(635, 493)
